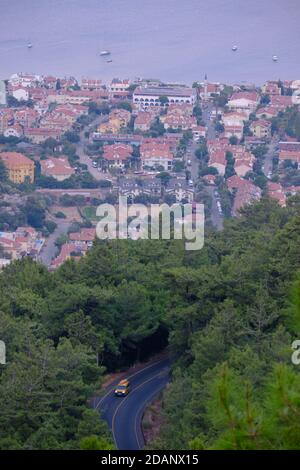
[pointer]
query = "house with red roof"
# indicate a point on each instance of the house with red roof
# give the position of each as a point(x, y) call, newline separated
point(38, 135)
point(143, 121)
point(209, 179)
point(261, 129)
point(117, 155)
point(234, 118)
point(83, 239)
point(245, 192)
point(217, 159)
point(266, 113)
point(119, 87)
point(178, 121)
point(281, 102)
point(24, 241)
point(242, 167)
point(292, 190)
point(91, 84)
point(276, 191)
point(14, 131)
point(234, 131)
point(244, 101)
point(271, 88)
point(77, 96)
point(156, 155)
point(26, 117)
point(207, 90)
point(68, 250)
point(6, 119)
point(50, 82)
point(199, 132)
point(58, 168)
point(19, 166)
point(289, 151)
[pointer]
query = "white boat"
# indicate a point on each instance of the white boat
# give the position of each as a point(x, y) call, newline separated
point(234, 48)
point(29, 45)
point(104, 53)
point(275, 58)
point(109, 61)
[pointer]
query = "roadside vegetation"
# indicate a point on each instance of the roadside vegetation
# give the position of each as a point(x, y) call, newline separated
point(226, 312)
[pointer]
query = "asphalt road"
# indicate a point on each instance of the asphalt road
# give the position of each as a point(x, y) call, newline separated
point(268, 162)
point(124, 415)
point(50, 250)
point(206, 113)
point(216, 217)
point(80, 148)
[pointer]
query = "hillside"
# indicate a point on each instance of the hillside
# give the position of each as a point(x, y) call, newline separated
point(226, 311)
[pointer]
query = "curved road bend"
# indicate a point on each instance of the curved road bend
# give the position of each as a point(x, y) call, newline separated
point(124, 415)
point(50, 250)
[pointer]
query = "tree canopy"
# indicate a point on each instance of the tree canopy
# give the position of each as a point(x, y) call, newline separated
point(229, 313)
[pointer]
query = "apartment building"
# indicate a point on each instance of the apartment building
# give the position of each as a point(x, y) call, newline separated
point(162, 96)
point(19, 166)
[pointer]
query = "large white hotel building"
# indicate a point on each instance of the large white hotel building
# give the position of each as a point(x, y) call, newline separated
point(152, 96)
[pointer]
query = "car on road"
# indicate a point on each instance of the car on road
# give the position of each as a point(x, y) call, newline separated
point(94, 164)
point(219, 207)
point(122, 389)
point(189, 162)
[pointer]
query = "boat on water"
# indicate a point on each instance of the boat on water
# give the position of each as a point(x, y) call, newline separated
point(29, 45)
point(234, 48)
point(275, 58)
point(104, 53)
point(109, 61)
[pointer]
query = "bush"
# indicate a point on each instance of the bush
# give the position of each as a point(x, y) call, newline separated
point(50, 226)
point(60, 215)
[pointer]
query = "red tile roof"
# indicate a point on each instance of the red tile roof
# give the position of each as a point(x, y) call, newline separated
point(247, 95)
point(85, 235)
point(15, 159)
point(57, 167)
point(281, 101)
point(117, 152)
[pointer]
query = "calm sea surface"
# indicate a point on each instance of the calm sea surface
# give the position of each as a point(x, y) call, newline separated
point(176, 40)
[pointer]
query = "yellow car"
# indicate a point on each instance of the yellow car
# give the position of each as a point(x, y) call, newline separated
point(122, 388)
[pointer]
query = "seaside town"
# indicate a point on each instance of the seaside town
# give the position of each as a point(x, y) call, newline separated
point(67, 145)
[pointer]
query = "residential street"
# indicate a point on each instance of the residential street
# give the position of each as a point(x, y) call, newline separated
point(216, 217)
point(194, 166)
point(206, 113)
point(50, 250)
point(268, 161)
point(85, 159)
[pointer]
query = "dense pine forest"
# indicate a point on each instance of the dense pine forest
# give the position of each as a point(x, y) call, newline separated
point(228, 312)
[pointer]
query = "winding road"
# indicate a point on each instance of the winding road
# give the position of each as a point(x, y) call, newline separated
point(124, 415)
point(50, 250)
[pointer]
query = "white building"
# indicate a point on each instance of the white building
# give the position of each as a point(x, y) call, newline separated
point(2, 93)
point(243, 101)
point(25, 80)
point(234, 119)
point(21, 94)
point(152, 96)
point(119, 86)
